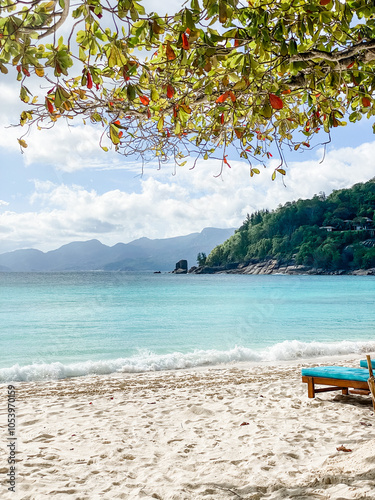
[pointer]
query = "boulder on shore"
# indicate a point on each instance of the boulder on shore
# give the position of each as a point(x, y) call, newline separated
point(181, 267)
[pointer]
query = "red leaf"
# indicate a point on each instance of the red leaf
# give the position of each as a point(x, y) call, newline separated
point(144, 100)
point(148, 113)
point(25, 72)
point(236, 43)
point(121, 133)
point(287, 91)
point(350, 65)
point(170, 91)
point(226, 161)
point(366, 102)
point(19, 67)
point(222, 118)
point(306, 144)
point(170, 52)
point(89, 80)
point(232, 96)
point(324, 2)
point(276, 102)
point(223, 97)
point(117, 122)
point(185, 42)
point(343, 448)
point(49, 105)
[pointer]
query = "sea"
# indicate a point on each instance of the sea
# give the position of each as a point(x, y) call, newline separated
point(72, 324)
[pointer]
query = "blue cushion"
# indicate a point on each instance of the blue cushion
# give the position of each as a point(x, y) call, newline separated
point(363, 363)
point(339, 372)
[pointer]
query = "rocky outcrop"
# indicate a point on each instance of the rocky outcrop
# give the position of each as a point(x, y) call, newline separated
point(181, 267)
point(275, 267)
point(364, 272)
point(229, 268)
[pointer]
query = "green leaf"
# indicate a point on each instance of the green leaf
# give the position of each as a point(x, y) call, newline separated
point(113, 133)
point(189, 19)
point(139, 7)
point(59, 99)
point(223, 14)
point(160, 124)
point(195, 5)
point(154, 94)
point(82, 54)
point(131, 92)
point(293, 49)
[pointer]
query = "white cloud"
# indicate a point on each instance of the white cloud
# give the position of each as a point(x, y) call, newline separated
point(68, 146)
point(174, 205)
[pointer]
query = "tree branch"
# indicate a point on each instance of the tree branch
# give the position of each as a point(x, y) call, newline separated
point(64, 14)
point(338, 56)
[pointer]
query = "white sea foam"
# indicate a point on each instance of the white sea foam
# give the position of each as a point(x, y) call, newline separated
point(147, 361)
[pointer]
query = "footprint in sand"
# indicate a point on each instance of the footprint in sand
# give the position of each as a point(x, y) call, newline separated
point(199, 410)
point(29, 422)
point(42, 437)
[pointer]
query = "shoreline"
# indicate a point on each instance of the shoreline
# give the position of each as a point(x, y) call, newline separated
point(180, 435)
point(287, 352)
point(273, 266)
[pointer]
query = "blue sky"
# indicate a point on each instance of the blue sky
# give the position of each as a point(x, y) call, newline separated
point(65, 188)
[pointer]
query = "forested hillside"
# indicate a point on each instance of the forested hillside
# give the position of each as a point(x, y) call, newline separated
point(333, 232)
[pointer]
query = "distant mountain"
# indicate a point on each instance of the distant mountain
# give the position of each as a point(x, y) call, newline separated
point(143, 254)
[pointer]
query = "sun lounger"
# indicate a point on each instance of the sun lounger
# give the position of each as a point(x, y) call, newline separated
point(336, 378)
point(363, 363)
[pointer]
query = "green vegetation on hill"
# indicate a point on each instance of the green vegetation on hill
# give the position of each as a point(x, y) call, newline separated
point(334, 232)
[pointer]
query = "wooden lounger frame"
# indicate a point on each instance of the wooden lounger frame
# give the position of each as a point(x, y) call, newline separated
point(335, 385)
point(346, 386)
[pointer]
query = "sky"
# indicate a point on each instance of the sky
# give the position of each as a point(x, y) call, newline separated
point(65, 188)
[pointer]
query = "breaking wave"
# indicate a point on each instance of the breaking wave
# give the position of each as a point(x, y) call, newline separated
point(146, 361)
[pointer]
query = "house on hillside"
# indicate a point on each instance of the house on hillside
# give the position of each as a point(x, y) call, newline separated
point(357, 224)
point(363, 224)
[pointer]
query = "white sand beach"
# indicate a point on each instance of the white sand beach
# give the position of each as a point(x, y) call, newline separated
point(229, 432)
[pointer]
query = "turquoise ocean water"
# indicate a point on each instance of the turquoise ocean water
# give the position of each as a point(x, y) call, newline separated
point(57, 325)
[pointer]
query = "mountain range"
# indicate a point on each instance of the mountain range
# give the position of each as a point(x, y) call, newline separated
point(143, 254)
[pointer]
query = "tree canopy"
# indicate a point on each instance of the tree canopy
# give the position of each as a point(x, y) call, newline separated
point(256, 75)
point(333, 232)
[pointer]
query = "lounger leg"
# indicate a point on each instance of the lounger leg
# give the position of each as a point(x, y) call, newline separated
point(345, 391)
point(310, 388)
